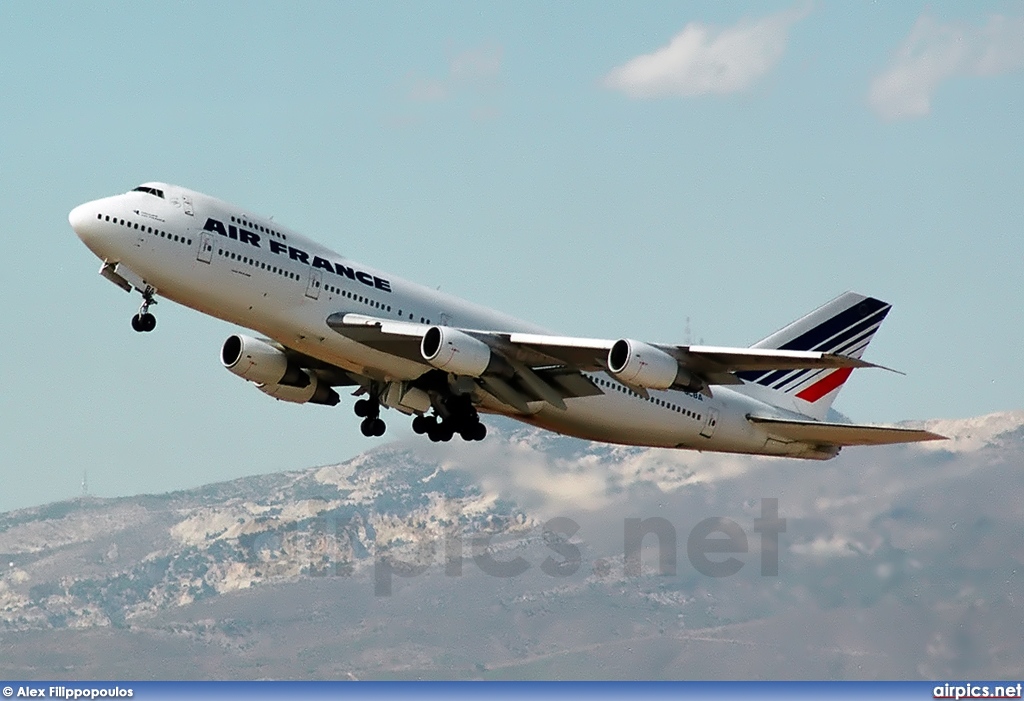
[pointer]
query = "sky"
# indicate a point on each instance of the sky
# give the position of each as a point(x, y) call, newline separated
point(667, 171)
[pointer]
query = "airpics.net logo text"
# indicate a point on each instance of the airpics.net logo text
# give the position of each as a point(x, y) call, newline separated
point(714, 548)
point(977, 691)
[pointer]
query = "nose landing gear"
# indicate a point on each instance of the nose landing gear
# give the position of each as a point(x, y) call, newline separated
point(144, 321)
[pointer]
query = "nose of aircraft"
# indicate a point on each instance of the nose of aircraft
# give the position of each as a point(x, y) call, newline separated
point(83, 220)
point(80, 218)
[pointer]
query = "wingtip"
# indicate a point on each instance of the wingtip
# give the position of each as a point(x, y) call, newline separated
point(867, 364)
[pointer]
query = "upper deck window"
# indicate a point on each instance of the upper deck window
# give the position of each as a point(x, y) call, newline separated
point(259, 227)
point(150, 190)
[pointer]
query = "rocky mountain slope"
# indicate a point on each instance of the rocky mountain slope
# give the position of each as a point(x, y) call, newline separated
point(508, 558)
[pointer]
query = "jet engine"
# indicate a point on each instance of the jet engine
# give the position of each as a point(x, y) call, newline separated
point(260, 362)
point(269, 367)
point(641, 364)
point(455, 351)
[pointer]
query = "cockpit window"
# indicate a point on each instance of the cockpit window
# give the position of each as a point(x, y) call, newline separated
point(150, 190)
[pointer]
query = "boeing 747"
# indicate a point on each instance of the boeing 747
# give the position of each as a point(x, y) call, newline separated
point(322, 322)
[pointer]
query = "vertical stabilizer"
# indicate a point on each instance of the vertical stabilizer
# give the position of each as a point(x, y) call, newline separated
point(844, 326)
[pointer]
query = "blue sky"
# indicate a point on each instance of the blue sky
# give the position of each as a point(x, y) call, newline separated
point(607, 169)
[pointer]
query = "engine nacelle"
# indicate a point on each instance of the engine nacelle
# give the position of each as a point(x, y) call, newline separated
point(455, 351)
point(314, 392)
point(641, 364)
point(260, 362)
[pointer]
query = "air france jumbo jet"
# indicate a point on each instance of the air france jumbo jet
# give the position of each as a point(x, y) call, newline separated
point(325, 321)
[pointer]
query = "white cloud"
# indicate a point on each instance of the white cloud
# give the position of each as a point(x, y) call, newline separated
point(566, 477)
point(478, 67)
point(429, 90)
point(474, 71)
point(702, 60)
point(935, 52)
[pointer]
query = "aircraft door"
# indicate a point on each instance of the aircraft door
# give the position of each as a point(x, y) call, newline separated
point(710, 423)
point(205, 254)
point(316, 279)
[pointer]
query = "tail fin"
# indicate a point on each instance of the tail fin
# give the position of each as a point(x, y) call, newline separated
point(843, 326)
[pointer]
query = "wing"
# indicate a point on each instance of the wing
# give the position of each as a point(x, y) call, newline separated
point(549, 368)
point(398, 338)
point(508, 378)
point(842, 434)
point(715, 365)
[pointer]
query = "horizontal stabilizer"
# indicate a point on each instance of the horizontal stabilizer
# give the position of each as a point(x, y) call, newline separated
point(842, 434)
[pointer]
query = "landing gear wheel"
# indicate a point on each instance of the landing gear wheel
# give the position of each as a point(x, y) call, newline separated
point(422, 424)
point(144, 322)
point(473, 432)
point(372, 427)
point(479, 432)
point(366, 409)
point(442, 432)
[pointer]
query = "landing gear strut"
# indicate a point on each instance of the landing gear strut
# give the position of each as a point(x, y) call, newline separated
point(144, 321)
point(372, 424)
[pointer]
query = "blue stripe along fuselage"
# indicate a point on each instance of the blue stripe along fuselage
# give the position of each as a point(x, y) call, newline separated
point(296, 254)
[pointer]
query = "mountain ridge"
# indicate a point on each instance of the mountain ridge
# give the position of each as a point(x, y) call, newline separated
point(926, 534)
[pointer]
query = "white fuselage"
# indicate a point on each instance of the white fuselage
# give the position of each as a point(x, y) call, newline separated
point(257, 274)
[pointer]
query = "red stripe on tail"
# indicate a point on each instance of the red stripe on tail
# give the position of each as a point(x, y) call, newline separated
point(825, 385)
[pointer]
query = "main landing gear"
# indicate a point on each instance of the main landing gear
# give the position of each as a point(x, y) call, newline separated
point(466, 424)
point(144, 321)
point(453, 414)
point(372, 424)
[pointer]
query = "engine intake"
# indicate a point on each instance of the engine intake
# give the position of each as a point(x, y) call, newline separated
point(641, 364)
point(455, 351)
point(260, 362)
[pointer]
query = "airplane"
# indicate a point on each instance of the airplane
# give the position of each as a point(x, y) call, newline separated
point(323, 322)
